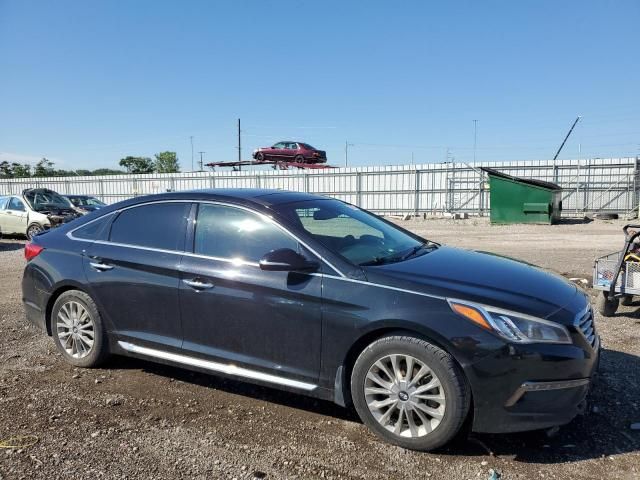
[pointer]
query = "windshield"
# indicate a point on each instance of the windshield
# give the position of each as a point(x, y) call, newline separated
point(41, 200)
point(358, 236)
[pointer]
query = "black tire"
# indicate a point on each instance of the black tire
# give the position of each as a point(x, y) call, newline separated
point(299, 159)
point(456, 390)
point(260, 157)
point(33, 230)
point(99, 351)
point(606, 307)
point(606, 216)
point(626, 300)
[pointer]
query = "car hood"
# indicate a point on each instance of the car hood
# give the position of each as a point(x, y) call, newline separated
point(484, 278)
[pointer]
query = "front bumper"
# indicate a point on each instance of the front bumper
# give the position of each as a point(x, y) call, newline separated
point(530, 387)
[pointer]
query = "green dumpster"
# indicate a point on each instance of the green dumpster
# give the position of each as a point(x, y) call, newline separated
point(523, 200)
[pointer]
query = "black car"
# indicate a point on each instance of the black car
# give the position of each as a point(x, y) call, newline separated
point(316, 296)
point(85, 203)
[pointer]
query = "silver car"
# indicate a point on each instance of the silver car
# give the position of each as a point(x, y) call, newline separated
point(33, 211)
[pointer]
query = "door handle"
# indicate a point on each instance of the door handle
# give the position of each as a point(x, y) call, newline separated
point(198, 285)
point(102, 267)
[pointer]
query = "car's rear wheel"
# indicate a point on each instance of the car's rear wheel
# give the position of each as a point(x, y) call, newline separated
point(33, 230)
point(410, 392)
point(299, 159)
point(78, 331)
point(260, 157)
point(626, 300)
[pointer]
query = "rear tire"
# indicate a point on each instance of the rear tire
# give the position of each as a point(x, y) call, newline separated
point(299, 159)
point(606, 307)
point(402, 404)
point(78, 331)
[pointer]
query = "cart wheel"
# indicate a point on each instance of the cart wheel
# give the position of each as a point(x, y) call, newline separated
point(606, 307)
point(626, 300)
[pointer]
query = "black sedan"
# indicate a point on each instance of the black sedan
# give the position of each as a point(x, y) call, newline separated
point(319, 297)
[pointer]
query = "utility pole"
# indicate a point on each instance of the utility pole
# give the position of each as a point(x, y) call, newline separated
point(475, 138)
point(346, 152)
point(239, 145)
point(191, 138)
point(201, 161)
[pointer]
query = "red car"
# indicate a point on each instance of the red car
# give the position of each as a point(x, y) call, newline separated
point(290, 152)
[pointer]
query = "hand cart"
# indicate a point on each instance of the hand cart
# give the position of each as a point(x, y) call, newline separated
point(617, 275)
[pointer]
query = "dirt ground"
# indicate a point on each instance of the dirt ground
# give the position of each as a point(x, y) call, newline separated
point(134, 419)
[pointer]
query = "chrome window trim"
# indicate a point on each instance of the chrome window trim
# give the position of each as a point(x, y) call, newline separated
point(229, 369)
point(73, 237)
point(266, 218)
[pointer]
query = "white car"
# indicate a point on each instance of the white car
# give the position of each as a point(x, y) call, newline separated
point(33, 211)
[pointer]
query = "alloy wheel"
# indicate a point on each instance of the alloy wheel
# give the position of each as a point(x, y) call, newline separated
point(75, 329)
point(404, 395)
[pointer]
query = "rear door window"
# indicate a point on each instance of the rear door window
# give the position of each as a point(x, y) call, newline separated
point(159, 225)
point(233, 233)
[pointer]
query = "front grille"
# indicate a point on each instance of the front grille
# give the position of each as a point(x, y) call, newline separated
point(588, 327)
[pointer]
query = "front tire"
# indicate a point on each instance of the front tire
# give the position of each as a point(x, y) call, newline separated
point(606, 307)
point(410, 392)
point(260, 157)
point(33, 230)
point(78, 331)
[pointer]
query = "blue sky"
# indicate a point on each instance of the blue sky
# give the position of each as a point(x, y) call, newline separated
point(88, 82)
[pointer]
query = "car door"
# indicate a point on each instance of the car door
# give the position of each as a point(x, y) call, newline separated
point(236, 312)
point(277, 152)
point(16, 217)
point(134, 273)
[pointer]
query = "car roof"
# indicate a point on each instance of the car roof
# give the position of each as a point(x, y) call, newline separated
point(263, 196)
point(244, 196)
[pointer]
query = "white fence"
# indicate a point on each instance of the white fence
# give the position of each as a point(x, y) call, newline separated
point(590, 185)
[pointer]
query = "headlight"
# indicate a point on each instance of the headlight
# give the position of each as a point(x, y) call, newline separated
point(515, 327)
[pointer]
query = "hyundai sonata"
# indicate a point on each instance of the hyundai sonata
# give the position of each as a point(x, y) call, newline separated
point(318, 297)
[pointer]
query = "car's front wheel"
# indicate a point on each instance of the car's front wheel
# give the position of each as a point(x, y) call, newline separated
point(78, 331)
point(410, 392)
point(260, 157)
point(33, 230)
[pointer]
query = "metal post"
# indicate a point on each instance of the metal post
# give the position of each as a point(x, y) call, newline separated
point(239, 145)
point(359, 189)
point(416, 200)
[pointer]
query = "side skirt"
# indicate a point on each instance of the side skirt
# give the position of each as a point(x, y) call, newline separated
point(227, 369)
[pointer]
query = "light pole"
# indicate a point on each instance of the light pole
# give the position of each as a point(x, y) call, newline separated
point(201, 161)
point(191, 138)
point(475, 139)
point(346, 152)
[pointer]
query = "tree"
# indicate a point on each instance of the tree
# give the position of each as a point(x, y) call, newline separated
point(167, 162)
point(20, 171)
point(44, 168)
point(137, 164)
point(5, 170)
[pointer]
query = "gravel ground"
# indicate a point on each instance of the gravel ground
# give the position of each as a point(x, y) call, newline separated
point(135, 419)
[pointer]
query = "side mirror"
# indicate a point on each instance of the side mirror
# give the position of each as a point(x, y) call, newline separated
point(286, 260)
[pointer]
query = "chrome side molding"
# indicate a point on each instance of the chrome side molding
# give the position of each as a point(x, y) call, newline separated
point(228, 369)
point(544, 386)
